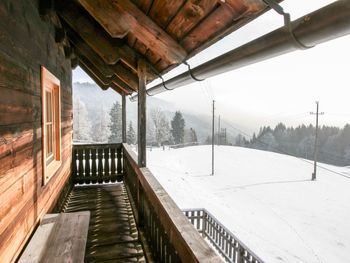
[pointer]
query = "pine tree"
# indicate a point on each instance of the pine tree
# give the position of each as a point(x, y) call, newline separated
point(178, 128)
point(100, 129)
point(131, 135)
point(81, 124)
point(194, 135)
point(115, 125)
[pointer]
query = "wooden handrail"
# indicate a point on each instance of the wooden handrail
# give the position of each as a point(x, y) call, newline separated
point(154, 206)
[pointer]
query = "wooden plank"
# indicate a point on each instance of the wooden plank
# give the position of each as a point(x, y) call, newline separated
point(18, 107)
point(37, 245)
point(223, 17)
point(191, 13)
point(228, 17)
point(162, 12)
point(68, 238)
point(145, 30)
point(144, 5)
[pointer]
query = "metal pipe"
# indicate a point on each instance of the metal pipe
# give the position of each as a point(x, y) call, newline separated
point(322, 25)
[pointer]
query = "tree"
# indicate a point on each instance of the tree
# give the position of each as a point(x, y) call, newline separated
point(178, 128)
point(131, 135)
point(81, 124)
point(240, 140)
point(193, 135)
point(190, 136)
point(115, 125)
point(100, 129)
point(161, 126)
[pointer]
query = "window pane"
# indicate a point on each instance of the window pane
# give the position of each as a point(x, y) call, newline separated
point(48, 106)
point(49, 139)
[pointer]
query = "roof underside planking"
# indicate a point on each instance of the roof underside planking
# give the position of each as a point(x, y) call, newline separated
point(109, 36)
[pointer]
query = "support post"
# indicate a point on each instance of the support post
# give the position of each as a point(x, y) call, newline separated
point(123, 118)
point(141, 115)
point(213, 140)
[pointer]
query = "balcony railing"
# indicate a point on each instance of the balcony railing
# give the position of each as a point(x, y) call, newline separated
point(164, 230)
point(169, 234)
point(97, 163)
point(228, 245)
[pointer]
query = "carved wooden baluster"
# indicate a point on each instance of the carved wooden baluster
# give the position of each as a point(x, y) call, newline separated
point(74, 166)
point(80, 166)
point(106, 165)
point(100, 166)
point(93, 166)
point(113, 166)
point(87, 166)
point(119, 165)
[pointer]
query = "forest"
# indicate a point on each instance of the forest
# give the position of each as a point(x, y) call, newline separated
point(333, 144)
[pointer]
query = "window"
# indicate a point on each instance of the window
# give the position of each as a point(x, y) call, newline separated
point(51, 124)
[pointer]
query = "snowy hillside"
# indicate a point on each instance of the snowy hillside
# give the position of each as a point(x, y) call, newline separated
point(266, 199)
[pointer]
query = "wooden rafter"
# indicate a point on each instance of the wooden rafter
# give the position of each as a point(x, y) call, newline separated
point(107, 70)
point(110, 13)
point(98, 77)
point(110, 50)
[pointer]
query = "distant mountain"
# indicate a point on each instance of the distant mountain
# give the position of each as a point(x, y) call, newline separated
point(95, 99)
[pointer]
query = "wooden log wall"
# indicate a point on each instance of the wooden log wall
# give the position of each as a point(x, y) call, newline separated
point(27, 41)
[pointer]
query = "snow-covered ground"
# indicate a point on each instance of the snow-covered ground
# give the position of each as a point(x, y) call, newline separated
point(266, 199)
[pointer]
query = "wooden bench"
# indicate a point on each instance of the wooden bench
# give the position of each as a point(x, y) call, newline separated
point(59, 238)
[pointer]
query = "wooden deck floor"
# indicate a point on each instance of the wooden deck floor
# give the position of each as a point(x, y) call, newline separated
point(112, 233)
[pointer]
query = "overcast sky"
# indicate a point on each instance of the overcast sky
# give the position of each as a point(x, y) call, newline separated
point(282, 89)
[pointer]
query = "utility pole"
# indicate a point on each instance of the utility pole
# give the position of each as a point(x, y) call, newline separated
point(219, 134)
point(212, 140)
point(316, 137)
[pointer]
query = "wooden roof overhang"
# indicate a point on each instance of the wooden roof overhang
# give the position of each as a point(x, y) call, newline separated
point(107, 37)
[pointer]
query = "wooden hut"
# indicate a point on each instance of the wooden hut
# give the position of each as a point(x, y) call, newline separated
point(121, 45)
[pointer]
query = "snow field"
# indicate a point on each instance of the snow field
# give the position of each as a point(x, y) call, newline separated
point(266, 199)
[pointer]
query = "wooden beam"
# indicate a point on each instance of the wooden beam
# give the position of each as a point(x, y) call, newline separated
point(123, 118)
point(116, 80)
point(108, 71)
point(111, 51)
point(141, 114)
point(85, 50)
point(126, 75)
point(101, 80)
point(60, 34)
point(145, 30)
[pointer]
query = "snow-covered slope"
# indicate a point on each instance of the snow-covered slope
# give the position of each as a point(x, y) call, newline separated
point(266, 199)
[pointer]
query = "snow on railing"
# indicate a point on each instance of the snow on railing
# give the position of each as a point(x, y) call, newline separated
point(227, 244)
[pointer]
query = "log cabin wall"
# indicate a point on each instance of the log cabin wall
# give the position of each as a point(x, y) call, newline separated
point(27, 42)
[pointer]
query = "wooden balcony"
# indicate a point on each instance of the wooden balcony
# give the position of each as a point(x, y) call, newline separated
point(133, 219)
